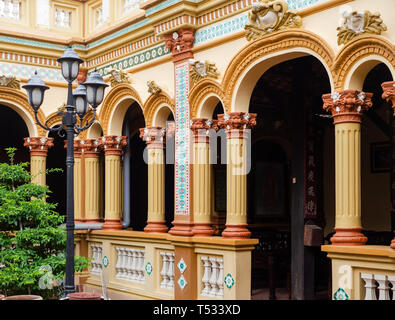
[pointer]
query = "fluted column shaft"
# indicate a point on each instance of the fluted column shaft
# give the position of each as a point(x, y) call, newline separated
point(236, 125)
point(347, 108)
point(389, 95)
point(92, 181)
point(202, 204)
point(113, 146)
point(38, 157)
point(155, 140)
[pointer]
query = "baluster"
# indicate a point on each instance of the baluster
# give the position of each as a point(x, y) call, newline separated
point(370, 286)
point(118, 265)
point(384, 289)
point(206, 276)
point(170, 270)
point(163, 273)
point(100, 259)
point(141, 266)
point(129, 275)
point(391, 279)
point(220, 281)
point(214, 277)
point(121, 263)
point(134, 265)
point(93, 258)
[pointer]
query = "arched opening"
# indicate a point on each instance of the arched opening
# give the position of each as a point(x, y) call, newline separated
point(57, 181)
point(377, 161)
point(285, 184)
point(169, 174)
point(13, 130)
point(135, 199)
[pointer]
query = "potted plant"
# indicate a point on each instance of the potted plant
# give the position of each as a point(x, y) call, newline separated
point(32, 237)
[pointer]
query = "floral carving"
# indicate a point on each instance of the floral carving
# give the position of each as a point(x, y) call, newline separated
point(236, 123)
point(355, 22)
point(39, 146)
point(200, 70)
point(118, 76)
point(113, 145)
point(153, 88)
point(348, 105)
point(180, 43)
point(154, 137)
point(269, 16)
point(201, 127)
point(10, 82)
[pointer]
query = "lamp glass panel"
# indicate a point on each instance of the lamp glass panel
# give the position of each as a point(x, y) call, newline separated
point(80, 105)
point(99, 95)
point(75, 69)
point(37, 97)
point(65, 70)
point(90, 91)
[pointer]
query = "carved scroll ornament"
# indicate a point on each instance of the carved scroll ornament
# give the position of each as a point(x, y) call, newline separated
point(201, 70)
point(10, 82)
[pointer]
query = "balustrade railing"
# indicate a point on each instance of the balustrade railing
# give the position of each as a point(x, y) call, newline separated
point(130, 264)
point(213, 277)
point(167, 271)
point(97, 255)
point(378, 286)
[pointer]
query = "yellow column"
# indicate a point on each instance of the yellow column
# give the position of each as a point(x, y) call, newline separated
point(237, 125)
point(155, 139)
point(113, 186)
point(202, 202)
point(389, 95)
point(38, 157)
point(347, 108)
point(92, 180)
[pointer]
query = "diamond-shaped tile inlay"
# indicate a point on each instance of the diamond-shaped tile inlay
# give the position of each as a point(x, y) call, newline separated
point(105, 262)
point(182, 282)
point(229, 281)
point(148, 268)
point(341, 295)
point(182, 266)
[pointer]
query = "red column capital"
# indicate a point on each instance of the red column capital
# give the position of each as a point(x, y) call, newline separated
point(39, 146)
point(201, 129)
point(154, 137)
point(113, 145)
point(180, 43)
point(389, 92)
point(91, 148)
point(348, 105)
point(236, 124)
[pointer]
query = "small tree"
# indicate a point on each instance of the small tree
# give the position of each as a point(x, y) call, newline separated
point(32, 237)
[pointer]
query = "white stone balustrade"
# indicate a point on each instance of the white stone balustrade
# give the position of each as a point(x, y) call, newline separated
point(62, 18)
point(377, 286)
point(167, 271)
point(97, 252)
point(10, 9)
point(130, 264)
point(130, 5)
point(213, 277)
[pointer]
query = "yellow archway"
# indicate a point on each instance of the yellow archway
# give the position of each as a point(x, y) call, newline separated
point(258, 56)
point(153, 106)
point(114, 108)
point(17, 100)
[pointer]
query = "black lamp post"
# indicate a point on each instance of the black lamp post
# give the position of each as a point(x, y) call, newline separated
point(92, 92)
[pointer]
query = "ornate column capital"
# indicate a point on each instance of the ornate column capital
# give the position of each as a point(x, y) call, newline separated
point(113, 145)
point(78, 147)
point(39, 146)
point(154, 137)
point(91, 148)
point(180, 43)
point(389, 92)
point(348, 105)
point(236, 123)
point(201, 129)
point(82, 75)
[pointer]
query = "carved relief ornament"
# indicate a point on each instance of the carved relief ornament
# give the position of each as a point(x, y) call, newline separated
point(200, 70)
point(355, 22)
point(347, 105)
point(201, 127)
point(113, 145)
point(10, 82)
point(389, 92)
point(268, 16)
point(39, 146)
point(236, 124)
point(117, 77)
point(153, 88)
point(180, 43)
point(154, 137)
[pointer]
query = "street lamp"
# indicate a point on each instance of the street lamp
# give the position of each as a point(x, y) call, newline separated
point(92, 92)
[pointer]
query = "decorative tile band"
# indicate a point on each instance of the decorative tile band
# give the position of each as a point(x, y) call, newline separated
point(182, 139)
point(136, 59)
point(26, 71)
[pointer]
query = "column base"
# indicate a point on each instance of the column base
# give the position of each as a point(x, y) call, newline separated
point(79, 220)
point(203, 229)
point(112, 225)
point(156, 227)
point(92, 221)
point(348, 237)
point(236, 231)
point(183, 229)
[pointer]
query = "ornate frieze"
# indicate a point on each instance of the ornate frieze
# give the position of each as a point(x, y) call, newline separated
point(348, 105)
point(269, 16)
point(389, 92)
point(113, 145)
point(154, 137)
point(180, 43)
point(355, 22)
point(236, 123)
point(118, 76)
point(200, 70)
point(39, 146)
point(10, 82)
point(153, 88)
point(201, 129)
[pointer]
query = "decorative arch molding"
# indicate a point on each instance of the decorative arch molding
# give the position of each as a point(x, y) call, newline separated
point(17, 100)
point(358, 49)
point(154, 103)
point(54, 119)
point(269, 45)
point(202, 90)
point(114, 97)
